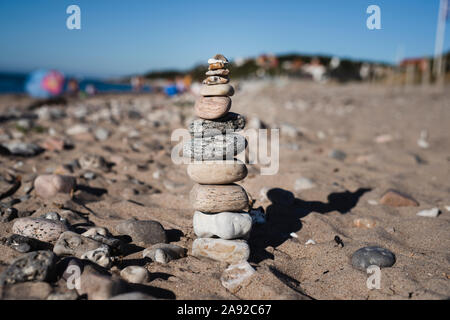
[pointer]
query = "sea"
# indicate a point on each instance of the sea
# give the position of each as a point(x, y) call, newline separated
point(15, 83)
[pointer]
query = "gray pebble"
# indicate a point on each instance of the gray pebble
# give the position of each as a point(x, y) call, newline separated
point(146, 232)
point(164, 252)
point(219, 147)
point(367, 256)
point(33, 266)
point(207, 128)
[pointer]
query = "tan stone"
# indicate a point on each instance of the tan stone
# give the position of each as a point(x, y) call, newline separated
point(212, 107)
point(218, 72)
point(216, 65)
point(217, 90)
point(38, 228)
point(218, 198)
point(364, 223)
point(230, 251)
point(217, 172)
point(395, 198)
point(212, 80)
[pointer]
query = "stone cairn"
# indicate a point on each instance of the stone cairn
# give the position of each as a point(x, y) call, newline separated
point(219, 219)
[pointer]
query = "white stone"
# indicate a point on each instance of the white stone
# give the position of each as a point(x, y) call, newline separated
point(225, 225)
point(236, 276)
point(303, 184)
point(432, 213)
point(310, 241)
point(100, 256)
point(447, 207)
point(135, 274)
point(77, 129)
point(372, 202)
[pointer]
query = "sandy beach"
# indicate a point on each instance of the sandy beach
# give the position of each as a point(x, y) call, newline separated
point(352, 143)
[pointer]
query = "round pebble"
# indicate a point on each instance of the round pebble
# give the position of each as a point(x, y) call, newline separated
point(218, 198)
point(217, 90)
point(367, 256)
point(217, 172)
point(212, 107)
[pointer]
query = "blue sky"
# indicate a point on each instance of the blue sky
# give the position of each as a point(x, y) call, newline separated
point(126, 37)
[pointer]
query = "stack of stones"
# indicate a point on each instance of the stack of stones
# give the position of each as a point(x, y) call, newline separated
point(219, 203)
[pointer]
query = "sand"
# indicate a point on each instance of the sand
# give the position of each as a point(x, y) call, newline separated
point(326, 117)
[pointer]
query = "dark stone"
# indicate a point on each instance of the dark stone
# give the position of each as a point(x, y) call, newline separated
point(8, 214)
point(25, 244)
point(367, 256)
point(146, 232)
point(33, 266)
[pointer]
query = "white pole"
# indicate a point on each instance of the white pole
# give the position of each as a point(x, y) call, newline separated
point(439, 43)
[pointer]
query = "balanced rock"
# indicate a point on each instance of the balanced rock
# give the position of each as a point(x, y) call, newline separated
point(395, 198)
point(230, 251)
point(38, 228)
point(73, 244)
point(218, 58)
point(214, 65)
point(135, 274)
point(212, 107)
point(33, 266)
point(145, 232)
point(219, 147)
point(164, 252)
point(225, 225)
point(217, 90)
point(218, 198)
point(212, 80)
point(230, 123)
point(218, 72)
point(217, 172)
point(49, 185)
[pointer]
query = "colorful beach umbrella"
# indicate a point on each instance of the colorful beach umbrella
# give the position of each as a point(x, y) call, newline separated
point(44, 83)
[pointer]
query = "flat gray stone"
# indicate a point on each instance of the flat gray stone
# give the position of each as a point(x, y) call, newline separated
point(219, 147)
point(367, 256)
point(73, 244)
point(232, 122)
point(145, 232)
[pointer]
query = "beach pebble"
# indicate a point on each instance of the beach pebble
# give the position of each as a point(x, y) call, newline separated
point(26, 291)
point(93, 162)
point(101, 134)
point(218, 58)
point(98, 286)
point(100, 256)
point(212, 80)
point(218, 198)
point(133, 296)
point(74, 244)
point(432, 213)
point(212, 107)
point(217, 172)
point(310, 241)
point(24, 244)
point(217, 90)
point(22, 149)
point(237, 276)
point(337, 154)
point(8, 214)
point(218, 72)
point(164, 252)
point(367, 256)
point(49, 185)
point(231, 122)
point(225, 225)
point(53, 144)
point(303, 184)
point(69, 295)
point(135, 274)
point(230, 251)
point(364, 223)
point(395, 198)
point(38, 228)
point(33, 266)
point(77, 129)
point(144, 232)
point(96, 231)
point(219, 147)
point(215, 64)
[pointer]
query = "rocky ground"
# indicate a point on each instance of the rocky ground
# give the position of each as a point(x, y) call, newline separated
point(342, 148)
